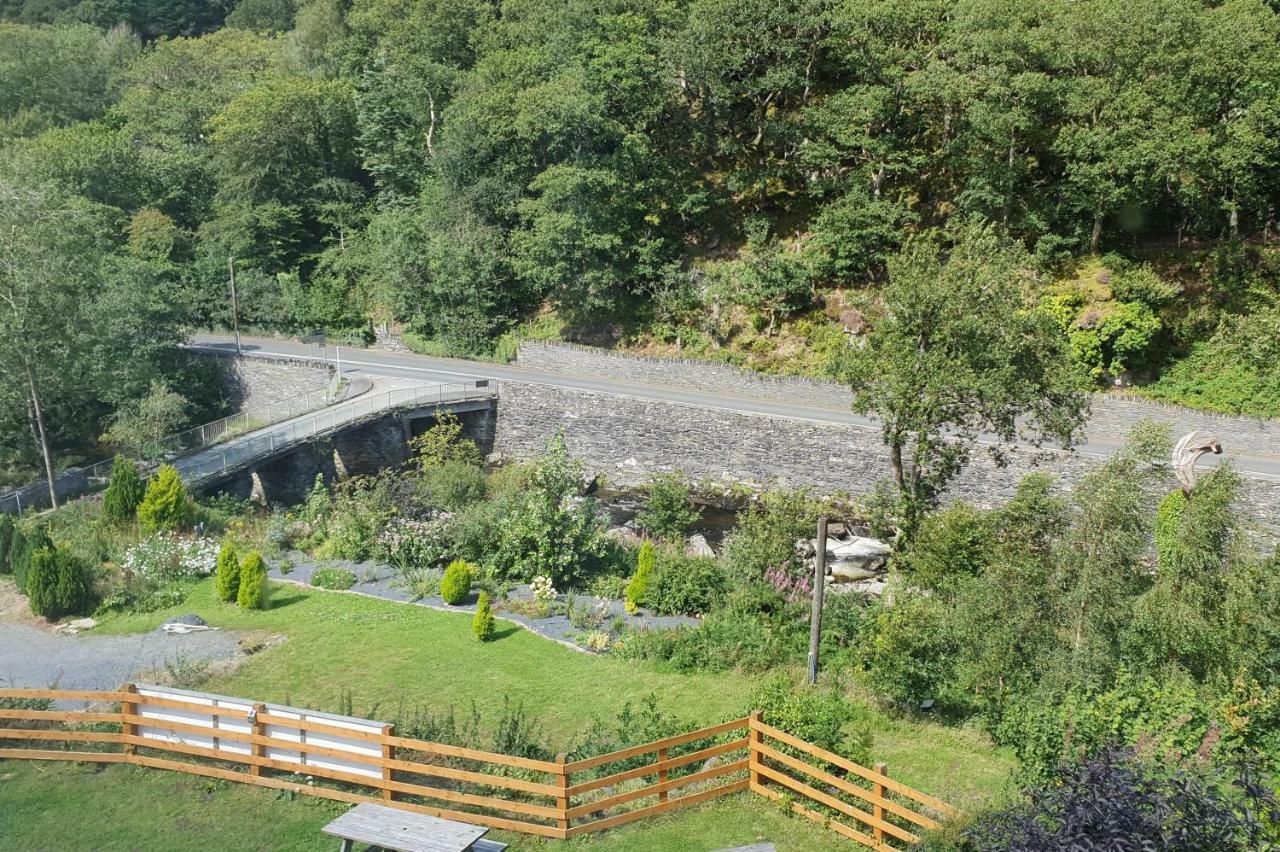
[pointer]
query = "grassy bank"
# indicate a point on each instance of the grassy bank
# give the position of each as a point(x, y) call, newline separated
point(140, 810)
point(385, 656)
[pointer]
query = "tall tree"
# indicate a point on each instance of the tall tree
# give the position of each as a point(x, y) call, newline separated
point(49, 255)
point(958, 359)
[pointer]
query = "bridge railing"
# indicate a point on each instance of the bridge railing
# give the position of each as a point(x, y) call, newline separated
point(266, 442)
point(95, 476)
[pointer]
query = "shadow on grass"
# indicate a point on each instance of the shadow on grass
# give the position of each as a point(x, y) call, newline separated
point(278, 602)
point(503, 632)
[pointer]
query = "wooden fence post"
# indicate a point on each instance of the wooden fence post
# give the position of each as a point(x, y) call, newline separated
point(388, 755)
point(662, 774)
point(128, 708)
point(257, 728)
point(562, 801)
point(754, 743)
point(877, 810)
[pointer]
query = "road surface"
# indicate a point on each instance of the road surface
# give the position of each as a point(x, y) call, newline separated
point(1262, 463)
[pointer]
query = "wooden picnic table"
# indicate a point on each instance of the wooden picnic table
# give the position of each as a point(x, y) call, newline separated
point(405, 831)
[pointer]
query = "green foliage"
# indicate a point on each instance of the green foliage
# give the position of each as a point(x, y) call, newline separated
point(227, 576)
point(909, 655)
point(333, 579)
point(683, 585)
point(1167, 719)
point(951, 544)
point(668, 512)
point(22, 551)
point(936, 366)
point(165, 506)
point(453, 485)
point(58, 583)
point(817, 715)
point(548, 529)
point(254, 590)
point(482, 623)
point(766, 533)
point(456, 584)
point(638, 587)
point(124, 493)
point(8, 531)
point(443, 444)
point(1235, 371)
point(142, 428)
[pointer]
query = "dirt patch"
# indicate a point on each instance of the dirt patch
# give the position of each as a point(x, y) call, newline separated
point(14, 608)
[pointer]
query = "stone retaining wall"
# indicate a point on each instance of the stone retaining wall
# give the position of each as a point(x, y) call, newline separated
point(252, 381)
point(628, 439)
point(1113, 415)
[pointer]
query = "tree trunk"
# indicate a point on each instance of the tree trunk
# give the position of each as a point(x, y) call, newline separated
point(41, 437)
point(1096, 239)
point(895, 461)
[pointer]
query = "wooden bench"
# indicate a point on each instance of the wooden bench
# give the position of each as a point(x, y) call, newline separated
point(397, 830)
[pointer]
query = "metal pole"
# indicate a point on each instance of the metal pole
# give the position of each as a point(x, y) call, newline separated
point(235, 303)
point(337, 353)
point(17, 495)
point(819, 581)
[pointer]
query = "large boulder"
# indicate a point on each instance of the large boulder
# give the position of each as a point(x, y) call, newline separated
point(697, 545)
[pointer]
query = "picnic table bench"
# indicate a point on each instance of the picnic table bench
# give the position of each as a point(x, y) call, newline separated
point(405, 831)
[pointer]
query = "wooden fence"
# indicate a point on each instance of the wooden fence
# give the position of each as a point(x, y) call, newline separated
point(358, 760)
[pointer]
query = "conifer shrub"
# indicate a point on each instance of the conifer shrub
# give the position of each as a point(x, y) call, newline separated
point(7, 530)
point(252, 591)
point(456, 584)
point(124, 491)
point(165, 505)
point(22, 549)
point(482, 621)
point(638, 588)
point(227, 578)
point(58, 583)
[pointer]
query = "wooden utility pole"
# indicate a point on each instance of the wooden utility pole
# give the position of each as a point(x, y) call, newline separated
point(819, 584)
point(235, 303)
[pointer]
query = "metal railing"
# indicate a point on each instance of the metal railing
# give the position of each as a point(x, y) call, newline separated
point(194, 439)
point(265, 442)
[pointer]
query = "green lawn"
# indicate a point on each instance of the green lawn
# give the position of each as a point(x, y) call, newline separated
point(386, 654)
point(44, 806)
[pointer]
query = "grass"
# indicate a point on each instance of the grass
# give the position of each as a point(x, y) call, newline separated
point(385, 655)
point(381, 655)
point(140, 809)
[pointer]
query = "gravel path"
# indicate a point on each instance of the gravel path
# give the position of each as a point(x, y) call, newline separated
point(34, 658)
point(382, 581)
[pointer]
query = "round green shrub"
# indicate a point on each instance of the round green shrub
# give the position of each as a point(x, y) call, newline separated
point(252, 592)
point(124, 492)
point(818, 715)
point(482, 621)
point(333, 579)
point(227, 579)
point(685, 585)
point(638, 588)
point(456, 584)
point(58, 584)
point(22, 549)
point(165, 505)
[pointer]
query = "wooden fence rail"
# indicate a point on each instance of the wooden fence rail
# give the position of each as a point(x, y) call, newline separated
point(358, 760)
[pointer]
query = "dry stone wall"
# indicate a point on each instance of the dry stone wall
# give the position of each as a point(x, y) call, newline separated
point(253, 381)
point(1112, 417)
point(628, 438)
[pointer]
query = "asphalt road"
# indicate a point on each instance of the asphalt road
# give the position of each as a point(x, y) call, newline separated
point(422, 367)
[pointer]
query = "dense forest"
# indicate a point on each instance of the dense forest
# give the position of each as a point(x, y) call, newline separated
point(727, 179)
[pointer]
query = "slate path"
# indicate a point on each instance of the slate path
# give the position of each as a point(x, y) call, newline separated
point(382, 581)
point(34, 658)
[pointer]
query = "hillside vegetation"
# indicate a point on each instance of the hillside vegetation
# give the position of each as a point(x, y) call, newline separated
point(721, 179)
